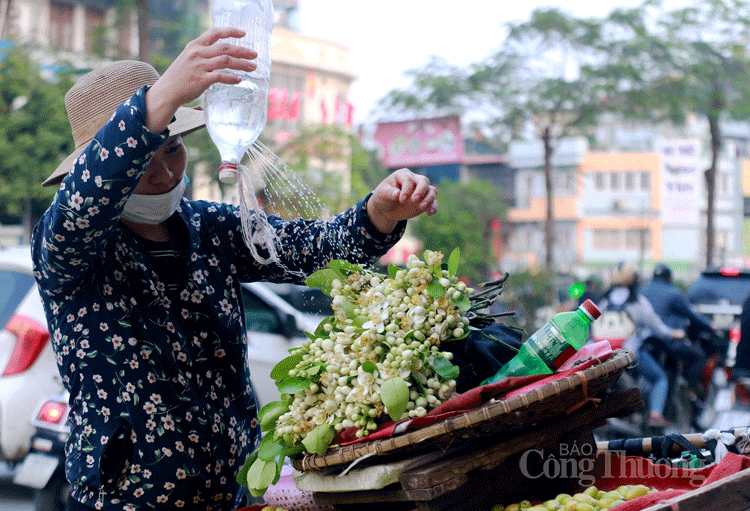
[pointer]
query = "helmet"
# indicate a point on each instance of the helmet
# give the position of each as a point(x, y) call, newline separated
point(623, 275)
point(662, 272)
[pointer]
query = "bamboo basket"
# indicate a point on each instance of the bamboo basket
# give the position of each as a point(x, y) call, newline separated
point(493, 417)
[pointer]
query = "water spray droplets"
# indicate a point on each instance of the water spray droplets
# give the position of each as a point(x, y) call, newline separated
point(287, 197)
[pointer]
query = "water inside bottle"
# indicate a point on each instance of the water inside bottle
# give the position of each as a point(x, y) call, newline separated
point(235, 116)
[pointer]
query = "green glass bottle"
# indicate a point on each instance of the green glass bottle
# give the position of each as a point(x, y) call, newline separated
point(550, 346)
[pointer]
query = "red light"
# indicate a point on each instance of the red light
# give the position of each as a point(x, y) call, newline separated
point(735, 335)
point(729, 271)
point(31, 337)
point(52, 412)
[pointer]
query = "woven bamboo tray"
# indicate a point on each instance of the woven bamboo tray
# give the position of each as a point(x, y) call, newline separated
point(495, 416)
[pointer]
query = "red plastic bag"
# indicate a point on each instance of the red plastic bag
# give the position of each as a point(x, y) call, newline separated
point(587, 356)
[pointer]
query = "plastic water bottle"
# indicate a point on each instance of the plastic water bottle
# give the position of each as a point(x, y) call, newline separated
point(236, 114)
point(550, 346)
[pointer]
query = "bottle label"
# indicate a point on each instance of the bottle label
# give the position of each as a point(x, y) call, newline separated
point(550, 346)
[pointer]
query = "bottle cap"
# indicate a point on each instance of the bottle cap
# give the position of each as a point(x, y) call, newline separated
point(228, 173)
point(591, 309)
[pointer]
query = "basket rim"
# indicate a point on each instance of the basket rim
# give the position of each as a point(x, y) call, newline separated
point(560, 394)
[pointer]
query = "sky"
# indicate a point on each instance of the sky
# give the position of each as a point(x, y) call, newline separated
point(388, 37)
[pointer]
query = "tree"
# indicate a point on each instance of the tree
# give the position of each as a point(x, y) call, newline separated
point(144, 37)
point(557, 100)
point(319, 154)
point(516, 87)
point(463, 220)
point(34, 136)
point(697, 63)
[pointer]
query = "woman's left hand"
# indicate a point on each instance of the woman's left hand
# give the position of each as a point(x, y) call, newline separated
point(400, 196)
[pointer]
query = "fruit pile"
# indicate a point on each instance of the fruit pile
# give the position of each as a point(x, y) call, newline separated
point(591, 499)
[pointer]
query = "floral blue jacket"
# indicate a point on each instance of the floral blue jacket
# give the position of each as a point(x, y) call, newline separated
point(163, 411)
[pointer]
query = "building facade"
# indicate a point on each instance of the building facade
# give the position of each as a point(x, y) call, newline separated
point(83, 33)
point(526, 247)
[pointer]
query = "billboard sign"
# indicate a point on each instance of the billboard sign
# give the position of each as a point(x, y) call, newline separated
point(681, 182)
point(420, 143)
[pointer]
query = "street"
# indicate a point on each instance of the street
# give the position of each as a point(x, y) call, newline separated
point(15, 498)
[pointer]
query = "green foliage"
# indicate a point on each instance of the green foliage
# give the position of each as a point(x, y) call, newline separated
point(462, 221)
point(315, 156)
point(525, 293)
point(34, 134)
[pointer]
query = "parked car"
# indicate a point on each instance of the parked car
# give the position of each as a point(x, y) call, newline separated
point(28, 370)
point(273, 327)
point(719, 295)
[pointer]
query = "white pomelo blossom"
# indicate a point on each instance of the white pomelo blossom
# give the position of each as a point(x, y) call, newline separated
point(382, 327)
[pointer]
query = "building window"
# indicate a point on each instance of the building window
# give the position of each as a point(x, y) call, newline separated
point(645, 181)
point(61, 26)
point(622, 239)
point(599, 181)
point(638, 239)
point(629, 181)
point(723, 184)
point(604, 239)
point(614, 181)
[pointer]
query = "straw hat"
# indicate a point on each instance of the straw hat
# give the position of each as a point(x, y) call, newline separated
point(95, 97)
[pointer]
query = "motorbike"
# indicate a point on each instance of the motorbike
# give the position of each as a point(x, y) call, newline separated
point(686, 410)
point(43, 469)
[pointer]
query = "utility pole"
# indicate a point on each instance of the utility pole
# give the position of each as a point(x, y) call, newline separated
point(4, 19)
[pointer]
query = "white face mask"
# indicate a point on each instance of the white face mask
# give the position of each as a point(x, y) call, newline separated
point(153, 209)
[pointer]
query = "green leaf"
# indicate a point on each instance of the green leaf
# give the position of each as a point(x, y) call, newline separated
point(453, 261)
point(242, 474)
point(369, 366)
point(344, 268)
point(270, 447)
point(395, 395)
point(349, 308)
point(392, 271)
point(261, 474)
point(315, 369)
point(270, 413)
point(444, 368)
point(323, 280)
point(258, 492)
point(294, 450)
point(318, 440)
point(281, 370)
point(278, 469)
point(293, 385)
point(462, 303)
point(435, 288)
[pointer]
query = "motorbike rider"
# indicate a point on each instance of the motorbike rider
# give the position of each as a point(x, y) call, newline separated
point(672, 306)
point(624, 297)
point(742, 359)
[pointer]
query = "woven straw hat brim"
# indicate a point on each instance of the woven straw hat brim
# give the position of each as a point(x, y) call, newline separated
point(92, 100)
point(186, 121)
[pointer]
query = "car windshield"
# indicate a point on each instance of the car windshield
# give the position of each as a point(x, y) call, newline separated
point(305, 299)
point(13, 288)
point(716, 287)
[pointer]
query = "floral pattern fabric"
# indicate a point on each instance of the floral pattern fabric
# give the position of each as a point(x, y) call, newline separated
point(163, 413)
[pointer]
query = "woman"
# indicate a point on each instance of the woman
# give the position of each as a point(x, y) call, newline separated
point(141, 287)
point(624, 296)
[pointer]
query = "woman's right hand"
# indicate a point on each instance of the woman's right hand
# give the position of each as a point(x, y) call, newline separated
point(678, 333)
point(193, 71)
